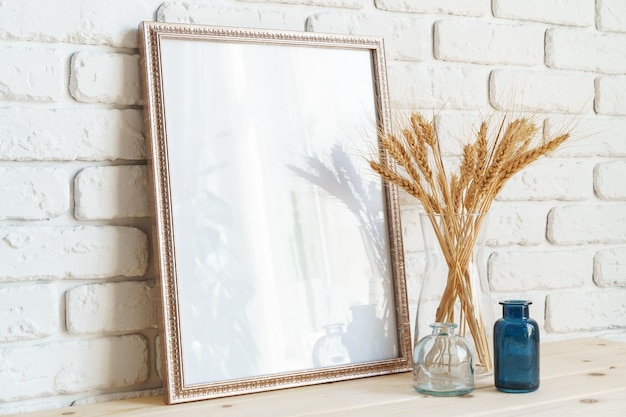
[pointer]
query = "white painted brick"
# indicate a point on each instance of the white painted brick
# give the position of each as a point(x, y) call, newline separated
point(105, 78)
point(406, 38)
point(609, 267)
point(73, 366)
point(550, 179)
point(586, 310)
point(609, 181)
point(28, 312)
point(455, 7)
point(111, 193)
point(111, 307)
point(571, 225)
point(352, 4)
point(72, 252)
point(487, 43)
point(113, 22)
point(611, 15)
point(71, 134)
point(33, 74)
point(539, 270)
point(604, 137)
point(515, 225)
point(33, 193)
point(541, 91)
point(587, 51)
point(610, 95)
point(565, 12)
point(420, 86)
point(221, 15)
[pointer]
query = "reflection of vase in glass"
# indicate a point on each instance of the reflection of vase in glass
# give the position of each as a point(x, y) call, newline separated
point(442, 363)
point(516, 353)
point(454, 284)
point(365, 335)
point(330, 349)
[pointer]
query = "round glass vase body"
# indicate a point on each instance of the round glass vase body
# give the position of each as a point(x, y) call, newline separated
point(443, 363)
point(516, 349)
point(454, 283)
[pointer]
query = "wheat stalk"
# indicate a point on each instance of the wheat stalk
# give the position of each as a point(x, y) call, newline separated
point(460, 200)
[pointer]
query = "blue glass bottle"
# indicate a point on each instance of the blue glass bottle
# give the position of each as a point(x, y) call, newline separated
point(516, 348)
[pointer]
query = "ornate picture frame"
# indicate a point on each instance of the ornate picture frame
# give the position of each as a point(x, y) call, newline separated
point(279, 251)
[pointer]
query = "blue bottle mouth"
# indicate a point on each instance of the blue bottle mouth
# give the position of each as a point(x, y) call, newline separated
point(515, 302)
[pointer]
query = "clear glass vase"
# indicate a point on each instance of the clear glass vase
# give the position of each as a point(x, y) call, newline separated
point(443, 363)
point(454, 284)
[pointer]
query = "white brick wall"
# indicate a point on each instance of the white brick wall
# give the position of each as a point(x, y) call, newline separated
point(111, 193)
point(515, 225)
point(96, 78)
point(598, 52)
point(27, 73)
point(609, 267)
point(560, 12)
point(242, 14)
point(77, 295)
point(412, 36)
point(33, 193)
point(88, 22)
point(111, 307)
point(515, 90)
point(63, 134)
point(28, 312)
point(611, 15)
point(454, 7)
point(604, 137)
point(437, 87)
point(611, 95)
point(566, 228)
point(570, 180)
point(605, 184)
point(594, 310)
point(488, 43)
point(73, 366)
point(539, 270)
point(43, 252)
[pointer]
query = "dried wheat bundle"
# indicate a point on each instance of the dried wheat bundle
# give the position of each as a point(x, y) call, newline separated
point(461, 197)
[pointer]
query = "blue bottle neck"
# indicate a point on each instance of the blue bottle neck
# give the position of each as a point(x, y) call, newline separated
point(515, 309)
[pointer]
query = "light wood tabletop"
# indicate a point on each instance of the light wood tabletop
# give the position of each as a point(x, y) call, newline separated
point(578, 377)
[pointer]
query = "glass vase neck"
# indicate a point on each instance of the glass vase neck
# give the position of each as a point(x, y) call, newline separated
point(515, 309)
point(443, 329)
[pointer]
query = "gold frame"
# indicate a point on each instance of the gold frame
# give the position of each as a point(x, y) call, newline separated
point(175, 390)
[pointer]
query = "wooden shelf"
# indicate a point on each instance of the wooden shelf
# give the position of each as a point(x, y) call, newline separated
point(579, 377)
